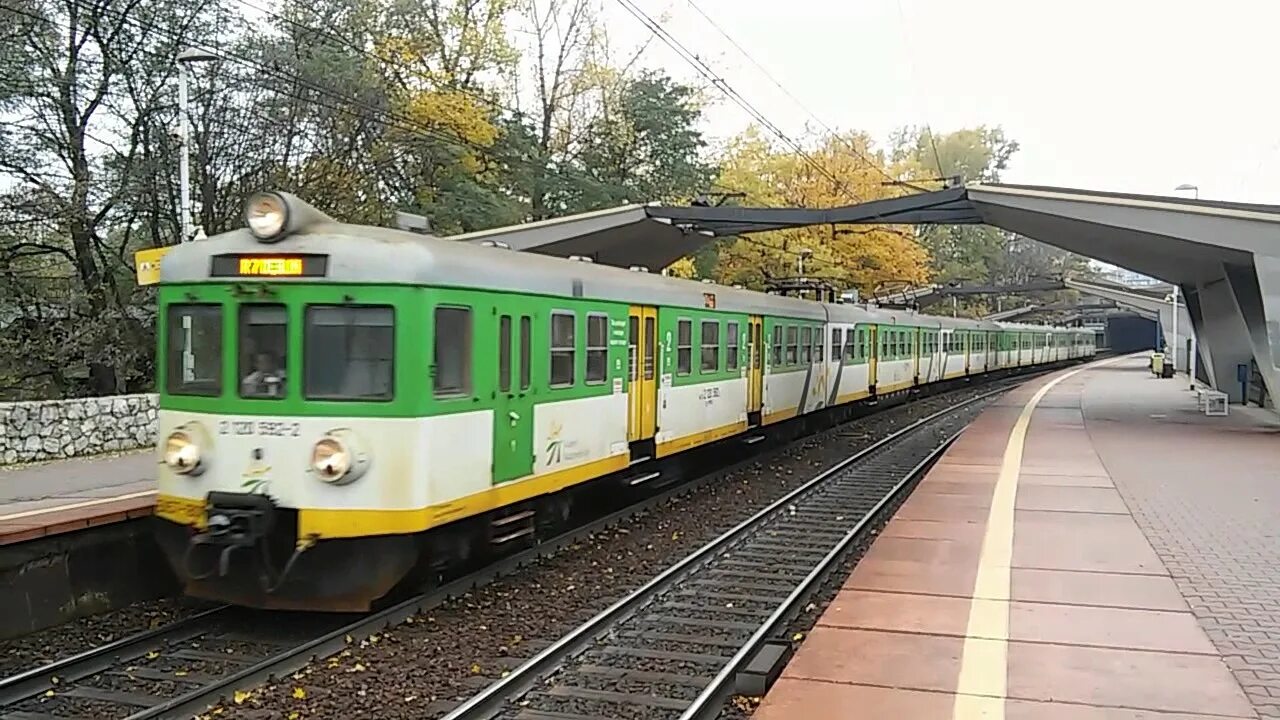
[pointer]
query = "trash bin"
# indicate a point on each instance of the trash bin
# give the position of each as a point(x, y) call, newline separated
point(1157, 364)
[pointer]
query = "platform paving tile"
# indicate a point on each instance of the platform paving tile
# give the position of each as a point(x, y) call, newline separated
point(1169, 682)
point(907, 576)
point(1082, 541)
point(1065, 498)
point(1146, 592)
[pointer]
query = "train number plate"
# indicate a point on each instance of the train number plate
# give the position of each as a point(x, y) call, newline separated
point(260, 428)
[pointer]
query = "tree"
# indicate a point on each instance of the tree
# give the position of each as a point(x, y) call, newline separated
point(87, 93)
point(646, 148)
point(977, 254)
point(865, 258)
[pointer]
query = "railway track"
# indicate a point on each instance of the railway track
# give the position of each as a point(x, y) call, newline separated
point(172, 671)
point(674, 647)
point(739, 598)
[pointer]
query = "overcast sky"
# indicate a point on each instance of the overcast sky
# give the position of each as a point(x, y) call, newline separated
point(1126, 95)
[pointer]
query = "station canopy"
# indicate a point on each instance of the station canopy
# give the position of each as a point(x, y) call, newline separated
point(1174, 239)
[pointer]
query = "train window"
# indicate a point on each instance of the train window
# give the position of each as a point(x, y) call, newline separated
point(262, 347)
point(837, 344)
point(650, 346)
point(731, 346)
point(684, 347)
point(806, 345)
point(526, 352)
point(793, 345)
point(853, 351)
point(194, 362)
point(633, 343)
point(504, 353)
point(710, 346)
point(563, 348)
point(451, 359)
point(349, 351)
point(777, 344)
point(819, 344)
point(597, 348)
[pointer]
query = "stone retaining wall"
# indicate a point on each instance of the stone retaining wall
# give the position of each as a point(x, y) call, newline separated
point(52, 429)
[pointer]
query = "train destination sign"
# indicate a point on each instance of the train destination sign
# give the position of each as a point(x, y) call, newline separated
point(269, 266)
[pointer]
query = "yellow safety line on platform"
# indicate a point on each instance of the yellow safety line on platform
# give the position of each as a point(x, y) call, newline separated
point(75, 506)
point(984, 662)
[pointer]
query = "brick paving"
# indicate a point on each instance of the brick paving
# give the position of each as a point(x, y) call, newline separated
point(1208, 500)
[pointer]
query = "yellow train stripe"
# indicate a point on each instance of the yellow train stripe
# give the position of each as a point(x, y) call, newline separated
point(886, 389)
point(779, 416)
point(340, 523)
point(671, 447)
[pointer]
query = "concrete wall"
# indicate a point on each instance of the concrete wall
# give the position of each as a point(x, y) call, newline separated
point(48, 430)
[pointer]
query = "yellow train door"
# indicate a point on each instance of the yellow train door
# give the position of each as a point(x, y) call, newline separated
point(755, 363)
point(642, 386)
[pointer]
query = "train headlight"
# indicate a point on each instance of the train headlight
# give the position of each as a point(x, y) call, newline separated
point(339, 457)
point(267, 215)
point(182, 451)
point(330, 459)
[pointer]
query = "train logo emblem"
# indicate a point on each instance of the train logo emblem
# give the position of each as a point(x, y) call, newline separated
point(256, 478)
point(555, 446)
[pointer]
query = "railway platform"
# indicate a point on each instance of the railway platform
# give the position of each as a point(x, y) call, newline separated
point(57, 497)
point(1093, 547)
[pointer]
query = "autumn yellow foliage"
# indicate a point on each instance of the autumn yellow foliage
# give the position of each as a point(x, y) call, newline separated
point(867, 257)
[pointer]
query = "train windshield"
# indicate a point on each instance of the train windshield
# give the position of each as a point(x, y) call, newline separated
point(349, 352)
point(194, 362)
point(263, 344)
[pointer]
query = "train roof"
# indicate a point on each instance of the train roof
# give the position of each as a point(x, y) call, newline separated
point(369, 254)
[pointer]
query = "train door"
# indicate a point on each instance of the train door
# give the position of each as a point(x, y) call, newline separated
point(873, 354)
point(642, 384)
point(916, 334)
point(755, 364)
point(513, 399)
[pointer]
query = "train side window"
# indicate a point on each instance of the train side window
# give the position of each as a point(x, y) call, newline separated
point(526, 352)
point(819, 344)
point(563, 348)
point(194, 356)
point(837, 344)
point(597, 348)
point(452, 365)
point(684, 347)
point(793, 345)
point(349, 351)
point(806, 345)
point(504, 353)
point(731, 346)
point(777, 344)
point(710, 346)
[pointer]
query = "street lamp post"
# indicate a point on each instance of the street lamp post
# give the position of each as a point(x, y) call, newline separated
point(185, 58)
point(1176, 343)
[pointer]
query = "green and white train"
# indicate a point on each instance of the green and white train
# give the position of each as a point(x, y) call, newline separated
point(342, 407)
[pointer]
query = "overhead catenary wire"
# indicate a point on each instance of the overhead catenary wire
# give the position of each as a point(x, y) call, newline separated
point(799, 103)
point(719, 83)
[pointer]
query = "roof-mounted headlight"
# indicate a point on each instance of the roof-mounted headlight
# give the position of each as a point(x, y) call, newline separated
point(273, 216)
point(267, 215)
